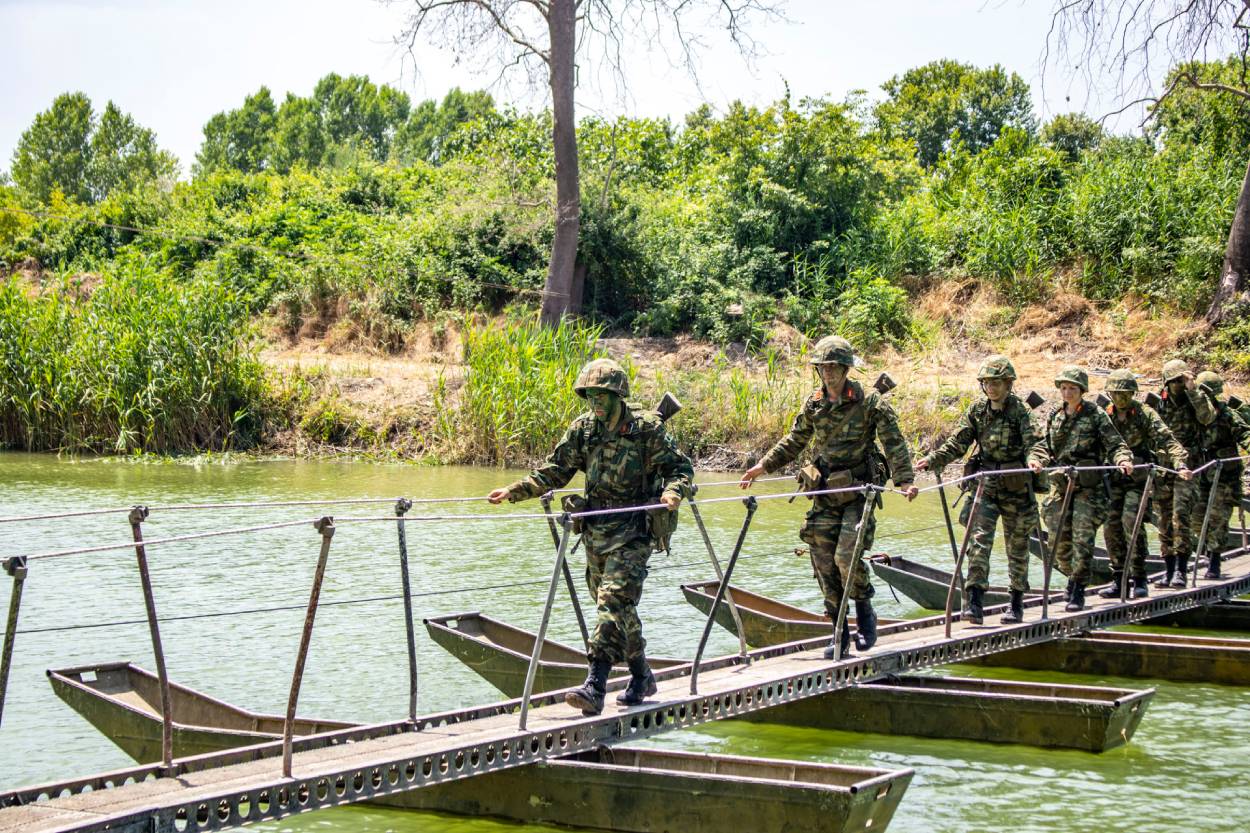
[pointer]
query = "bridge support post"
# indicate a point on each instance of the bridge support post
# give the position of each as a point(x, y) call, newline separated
point(963, 551)
point(325, 526)
point(751, 504)
point(15, 567)
point(839, 621)
point(1206, 521)
point(1146, 491)
point(137, 516)
point(566, 525)
point(720, 576)
point(402, 505)
point(950, 529)
point(568, 575)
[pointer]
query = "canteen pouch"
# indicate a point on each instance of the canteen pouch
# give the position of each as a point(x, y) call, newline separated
point(1018, 482)
point(810, 479)
point(1088, 479)
point(661, 524)
point(574, 504)
point(841, 479)
point(1139, 475)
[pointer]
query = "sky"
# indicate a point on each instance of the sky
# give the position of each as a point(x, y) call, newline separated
point(174, 63)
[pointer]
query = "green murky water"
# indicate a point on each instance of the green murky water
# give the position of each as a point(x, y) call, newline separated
point(1185, 768)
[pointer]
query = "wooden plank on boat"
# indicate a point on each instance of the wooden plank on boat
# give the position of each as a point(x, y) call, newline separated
point(1090, 718)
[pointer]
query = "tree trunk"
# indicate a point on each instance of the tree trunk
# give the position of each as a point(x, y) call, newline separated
point(558, 301)
point(1236, 269)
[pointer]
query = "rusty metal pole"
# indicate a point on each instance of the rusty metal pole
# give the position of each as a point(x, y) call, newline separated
point(963, 550)
point(324, 526)
point(15, 567)
point(950, 529)
point(751, 504)
point(1048, 562)
point(1206, 521)
point(1146, 491)
point(402, 505)
point(531, 672)
point(137, 515)
point(720, 576)
point(568, 575)
point(839, 622)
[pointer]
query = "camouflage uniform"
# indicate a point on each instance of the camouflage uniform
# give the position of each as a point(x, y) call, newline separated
point(1175, 499)
point(1005, 439)
point(838, 437)
point(1221, 439)
point(1085, 438)
point(625, 467)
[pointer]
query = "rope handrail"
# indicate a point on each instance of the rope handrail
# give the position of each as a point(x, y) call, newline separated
point(173, 539)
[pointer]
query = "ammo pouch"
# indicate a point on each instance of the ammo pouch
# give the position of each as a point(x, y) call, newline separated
point(661, 524)
point(1139, 475)
point(1016, 482)
point(574, 504)
point(840, 479)
point(810, 479)
point(1084, 479)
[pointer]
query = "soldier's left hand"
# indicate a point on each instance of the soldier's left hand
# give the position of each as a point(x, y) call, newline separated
point(671, 501)
point(1185, 473)
point(1126, 469)
point(910, 490)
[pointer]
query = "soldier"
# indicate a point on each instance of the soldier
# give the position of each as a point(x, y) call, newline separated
point(1151, 442)
point(1078, 433)
point(1184, 410)
point(1221, 439)
point(629, 460)
point(840, 425)
point(1006, 435)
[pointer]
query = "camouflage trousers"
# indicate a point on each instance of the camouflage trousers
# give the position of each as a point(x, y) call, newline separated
point(1121, 516)
point(830, 533)
point(1018, 513)
point(615, 579)
point(1227, 496)
point(1073, 548)
point(1174, 503)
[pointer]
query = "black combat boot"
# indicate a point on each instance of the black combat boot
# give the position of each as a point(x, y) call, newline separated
point(1182, 564)
point(865, 624)
point(1015, 615)
point(1213, 566)
point(1112, 590)
point(1141, 587)
point(1169, 567)
point(1067, 591)
point(845, 639)
point(1077, 600)
point(589, 698)
point(641, 683)
point(975, 612)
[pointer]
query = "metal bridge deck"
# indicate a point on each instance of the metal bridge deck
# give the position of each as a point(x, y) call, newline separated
point(223, 790)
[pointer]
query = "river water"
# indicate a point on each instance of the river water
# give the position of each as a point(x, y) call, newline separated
point(1184, 769)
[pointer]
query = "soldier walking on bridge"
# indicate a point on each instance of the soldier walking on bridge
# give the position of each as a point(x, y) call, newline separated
point(1078, 433)
point(1007, 437)
point(839, 426)
point(1150, 441)
point(1185, 411)
point(1222, 439)
point(629, 460)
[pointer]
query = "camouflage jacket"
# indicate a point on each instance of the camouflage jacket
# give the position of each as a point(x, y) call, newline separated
point(634, 464)
point(844, 435)
point(1009, 436)
point(1085, 437)
point(1186, 417)
point(1147, 436)
point(1225, 436)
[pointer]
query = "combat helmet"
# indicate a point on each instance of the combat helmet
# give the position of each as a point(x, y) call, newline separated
point(1075, 375)
point(834, 350)
point(1121, 380)
point(605, 374)
point(1173, 370)
point(1211, 382)
point(996, 367)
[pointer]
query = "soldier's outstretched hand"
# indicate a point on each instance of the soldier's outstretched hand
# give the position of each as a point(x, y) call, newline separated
point(750, 475)
point(1185, 473)
point(1035, 466)
point(498, 496)
point(671, 501)
point(1126, 469)
point(910, 490)
point(922, 464)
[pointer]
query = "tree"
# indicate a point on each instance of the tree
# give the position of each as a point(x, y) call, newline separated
point(429, 126)
point(1072, 134)
point(123, 155)
point(945, 101)
point(543, 39)
point(240, 138)
point(55, 151)
point(356, 112)
point(299, 138)
point(1125, 40)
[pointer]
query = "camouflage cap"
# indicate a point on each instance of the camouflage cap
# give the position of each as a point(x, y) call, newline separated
point(1211, 382)
point(1075, 375)
point(1173, 370)
point(602, 373)
point(835, 350)
point(997, 367)
point(1121, 380)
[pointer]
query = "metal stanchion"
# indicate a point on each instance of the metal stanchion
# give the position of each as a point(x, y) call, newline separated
point(751, 504)
point(137, 515)
point(1137, 525)
point(963, 550)
point(839, 622)
point(1206, 520)
point(950, 529)
point(15, 567)
point(402, 505)
point(568, 575)
point(720, 576)
point(1047, 552)
point(566, 526)
point(325, 526)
